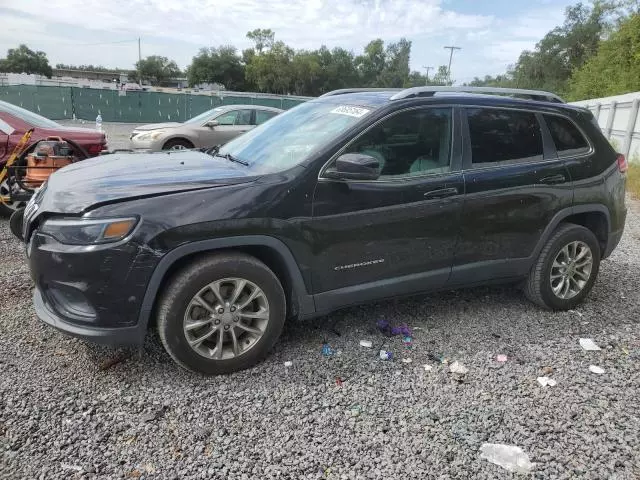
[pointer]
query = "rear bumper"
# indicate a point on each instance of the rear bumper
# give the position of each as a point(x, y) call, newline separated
point(133, 335)
point(612, 243)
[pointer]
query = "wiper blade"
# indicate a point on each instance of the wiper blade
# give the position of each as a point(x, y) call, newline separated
point(211, 150)
point(231, 158)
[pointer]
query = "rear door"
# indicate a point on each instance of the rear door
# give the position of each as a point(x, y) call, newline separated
point(262, 116)
point(515, 183)
point(397, 234)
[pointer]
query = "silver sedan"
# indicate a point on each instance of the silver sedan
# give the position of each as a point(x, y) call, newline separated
point(213, 127)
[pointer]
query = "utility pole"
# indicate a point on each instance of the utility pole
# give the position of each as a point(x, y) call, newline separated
point(427, 69)
point(139, 63)
point(451, 48)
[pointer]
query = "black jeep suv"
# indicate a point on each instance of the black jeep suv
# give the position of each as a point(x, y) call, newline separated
point(351, 197)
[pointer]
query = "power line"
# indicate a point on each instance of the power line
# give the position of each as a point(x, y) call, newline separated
point(427, 69)
point(451, 48)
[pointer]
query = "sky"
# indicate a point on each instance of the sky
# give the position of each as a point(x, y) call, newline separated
point(491, 33)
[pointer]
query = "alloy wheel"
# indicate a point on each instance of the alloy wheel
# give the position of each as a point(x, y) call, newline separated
point(571, 270)
point(5, 190)
point(226, 318)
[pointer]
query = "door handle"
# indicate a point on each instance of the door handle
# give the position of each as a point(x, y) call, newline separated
point(553, 179)
point(441, 193)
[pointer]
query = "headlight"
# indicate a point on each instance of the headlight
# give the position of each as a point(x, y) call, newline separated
point(77, 231)
point(149, 136)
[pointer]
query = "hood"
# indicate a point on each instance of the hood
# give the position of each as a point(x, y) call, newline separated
point(156, 126)
point(118, 177)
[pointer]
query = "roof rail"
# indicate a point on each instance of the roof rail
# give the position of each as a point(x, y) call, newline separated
point(431, 90)
point(343, 91)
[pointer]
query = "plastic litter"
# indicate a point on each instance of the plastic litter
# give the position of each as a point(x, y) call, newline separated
point(339, 381)
point(386, 355)
point(576, 312)
point(589, 345)
point(366, 343)
point(501, 358)
point(99, 123)
point(407, 341)
point(547, 370)
point(459, 368)
point(427, 368)
point(406, 360)
point(355, 411)
point(66, 466)
point(288, 364)
point(327, 351)
point(437, 357)
point(385, 327)
point(595, 369)
point(547, 382)
point(509, 457)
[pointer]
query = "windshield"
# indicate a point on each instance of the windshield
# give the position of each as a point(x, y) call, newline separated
point(204, 116)
point(293, 136)
point(31, 118)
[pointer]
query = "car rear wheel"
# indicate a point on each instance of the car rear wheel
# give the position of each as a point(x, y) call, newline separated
point(177, 144)
point(221, 314)
point(566, 268)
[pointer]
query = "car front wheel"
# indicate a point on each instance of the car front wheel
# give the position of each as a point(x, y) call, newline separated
point(566, 268)
point(221, 314)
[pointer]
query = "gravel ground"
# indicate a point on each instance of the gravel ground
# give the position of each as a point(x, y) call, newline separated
point(64, 414)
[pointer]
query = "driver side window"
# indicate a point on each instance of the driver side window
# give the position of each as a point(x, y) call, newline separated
point(228, 118)
point(414, 142)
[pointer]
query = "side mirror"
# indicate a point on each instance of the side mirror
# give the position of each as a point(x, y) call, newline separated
point(211, 123)
point(355, 166)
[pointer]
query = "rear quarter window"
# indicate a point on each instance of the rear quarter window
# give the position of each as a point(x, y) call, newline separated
point(566, 136)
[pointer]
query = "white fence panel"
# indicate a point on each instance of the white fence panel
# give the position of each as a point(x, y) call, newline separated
point(618, 119)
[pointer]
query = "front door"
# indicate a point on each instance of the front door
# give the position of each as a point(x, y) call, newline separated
point(515, 184)
point(397, 234)
point(230, 125)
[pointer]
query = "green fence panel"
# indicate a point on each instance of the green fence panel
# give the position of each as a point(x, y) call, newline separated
point(131, 107)
point(51, 102)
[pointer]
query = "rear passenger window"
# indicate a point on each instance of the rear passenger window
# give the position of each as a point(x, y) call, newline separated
point(503, 136)
point(566, 136)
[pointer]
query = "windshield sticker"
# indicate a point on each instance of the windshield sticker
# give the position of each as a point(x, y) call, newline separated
point(351, 111)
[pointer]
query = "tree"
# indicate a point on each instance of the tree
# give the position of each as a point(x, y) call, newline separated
point(442, 76)
point(371, 63)
point(217, 65)
point(272, 71)
point(615, 69)
point(157, 70)
point(565, 48)
point(396, 65)
point(263, 38)
point(25, 60)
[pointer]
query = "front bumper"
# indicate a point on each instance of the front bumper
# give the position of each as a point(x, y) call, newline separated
point(88, 292)
point(112, 336)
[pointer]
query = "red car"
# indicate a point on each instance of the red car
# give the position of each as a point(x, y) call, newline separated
point(15, 121)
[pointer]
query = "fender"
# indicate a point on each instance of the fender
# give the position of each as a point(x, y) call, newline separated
point(562, 215)
point(305, 301)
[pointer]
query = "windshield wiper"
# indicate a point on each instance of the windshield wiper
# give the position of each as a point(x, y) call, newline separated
point(211, 150)
point(231, 158)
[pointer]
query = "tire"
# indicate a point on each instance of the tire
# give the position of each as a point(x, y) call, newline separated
point(179, 312)
point(538, 286)
point(15, 223)
point(177, 144)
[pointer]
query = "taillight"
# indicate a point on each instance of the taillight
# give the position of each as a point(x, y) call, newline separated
point(623, 166)
point(94, 149)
